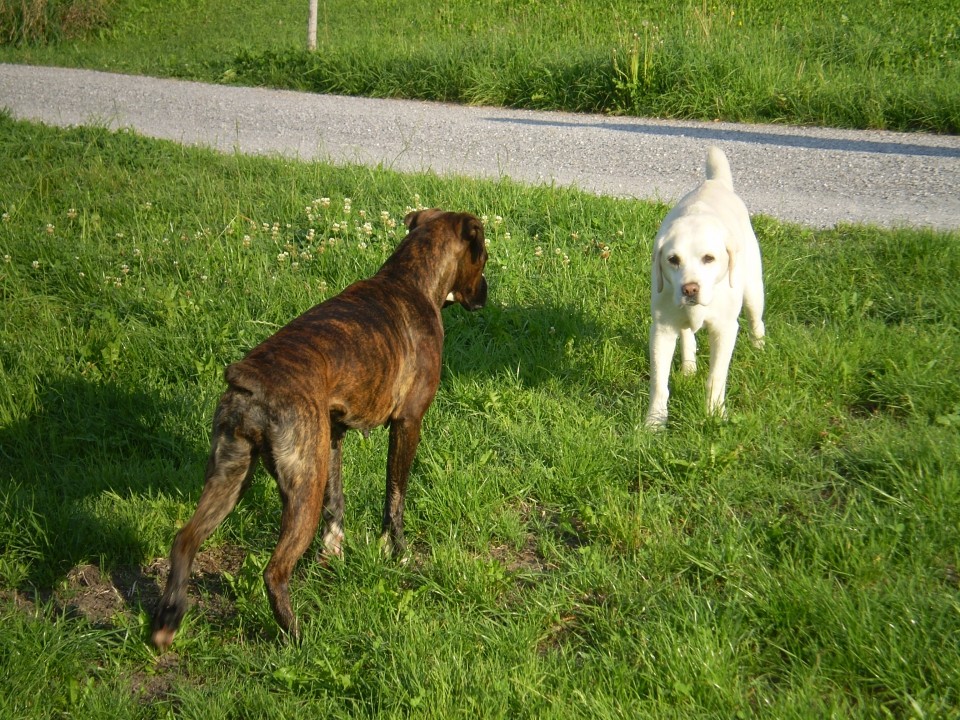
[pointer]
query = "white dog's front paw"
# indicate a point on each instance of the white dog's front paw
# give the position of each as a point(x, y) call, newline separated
point(688, 368)
point(717, 410)
point(655, 421)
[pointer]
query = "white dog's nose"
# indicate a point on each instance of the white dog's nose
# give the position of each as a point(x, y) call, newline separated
point(690, 289)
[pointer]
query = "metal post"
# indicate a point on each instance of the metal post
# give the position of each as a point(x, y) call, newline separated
point(312, 27)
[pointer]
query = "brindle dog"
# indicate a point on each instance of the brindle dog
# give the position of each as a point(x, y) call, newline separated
point(368, 357)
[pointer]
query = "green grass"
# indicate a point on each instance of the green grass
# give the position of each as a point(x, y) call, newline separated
point(892, 64)
point(799, 560)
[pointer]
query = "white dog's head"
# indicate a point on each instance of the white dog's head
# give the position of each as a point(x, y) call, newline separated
point(694, 255)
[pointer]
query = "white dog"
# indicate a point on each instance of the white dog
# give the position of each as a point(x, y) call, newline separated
point(706, 266)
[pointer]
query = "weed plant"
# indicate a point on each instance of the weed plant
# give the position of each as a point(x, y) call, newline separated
point(798, 560)
point(861, 64)
point(37, 22)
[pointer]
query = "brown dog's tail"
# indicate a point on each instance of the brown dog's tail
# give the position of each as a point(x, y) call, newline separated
point(241, 377)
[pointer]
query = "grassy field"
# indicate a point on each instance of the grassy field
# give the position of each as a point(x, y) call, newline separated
point(893, 64)
point(799, 560)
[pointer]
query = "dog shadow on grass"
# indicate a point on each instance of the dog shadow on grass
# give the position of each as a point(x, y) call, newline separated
point(84, 474)
point(533, 342)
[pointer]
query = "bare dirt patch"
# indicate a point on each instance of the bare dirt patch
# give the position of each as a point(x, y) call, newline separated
point(102, 598)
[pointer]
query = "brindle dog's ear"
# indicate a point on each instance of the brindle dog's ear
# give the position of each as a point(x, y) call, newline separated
point(421, 217)
point(472, 232)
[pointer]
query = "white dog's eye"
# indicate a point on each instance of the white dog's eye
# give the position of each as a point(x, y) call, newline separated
point(707, 259)
point(674, 260)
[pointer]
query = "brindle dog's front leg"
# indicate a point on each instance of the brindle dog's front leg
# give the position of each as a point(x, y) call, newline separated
point(404, 439)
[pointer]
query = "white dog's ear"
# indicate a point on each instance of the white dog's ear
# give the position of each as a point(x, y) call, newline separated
point(658, 271)
point(731, 260)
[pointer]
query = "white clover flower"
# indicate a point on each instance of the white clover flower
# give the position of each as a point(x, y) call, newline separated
point(5, 217)
point(203, 278)
point(362, 214)
point(125, 269)
point(136, 252)
point(506, 236)
point(72, 213)
point(35, 264)
point(50, 229)
point(119, 236)
point(538, 251)
point(246, 241)
point(7, 259)
point(281, 257)
point(362, 245)
point(294, 265)
point(368, 229)
point(148, 205)
point(82, 274)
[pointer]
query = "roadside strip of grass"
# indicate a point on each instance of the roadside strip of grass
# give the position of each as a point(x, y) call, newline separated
point(889, 65)
point(799, 560)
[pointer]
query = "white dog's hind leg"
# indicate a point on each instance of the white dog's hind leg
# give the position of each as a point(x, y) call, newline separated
point(688, 351)
point(663, 343)
point(722, 341)
point(753, 309)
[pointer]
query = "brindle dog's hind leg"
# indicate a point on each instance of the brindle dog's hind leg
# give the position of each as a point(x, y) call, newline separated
point(333, 500)
point(230, 469)
point(301, 459)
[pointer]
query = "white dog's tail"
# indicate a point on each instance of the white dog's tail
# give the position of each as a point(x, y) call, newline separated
point(718, 168)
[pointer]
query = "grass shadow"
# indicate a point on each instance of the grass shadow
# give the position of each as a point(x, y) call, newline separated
point(753, 136)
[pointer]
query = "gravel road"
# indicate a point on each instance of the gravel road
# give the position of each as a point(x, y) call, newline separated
point(814, 176)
